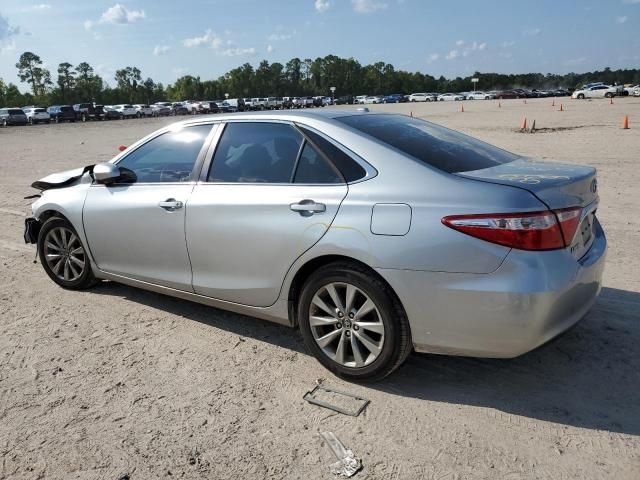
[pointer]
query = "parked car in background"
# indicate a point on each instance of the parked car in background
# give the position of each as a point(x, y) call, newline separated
point(421, 97)
point(371, 99)
point(12, 116)
point(596, 91)
point(36, 115)
point(506, 94)
point(306, 102)
point(485, 265)
point(164, 109)
point(237, 104)
point(360, 99)
point(479, 96)
point(110, 113)
point(394, 98)
point(88, 111)
point(143, 110)
point(62, 113)
point(176, 108)
point(448, 97)
point(287, 102)
point(318, 101)
point(126, 110)
point(344, 100)
point(327, 101)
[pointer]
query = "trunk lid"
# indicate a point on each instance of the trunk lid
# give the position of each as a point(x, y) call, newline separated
point(558, 185)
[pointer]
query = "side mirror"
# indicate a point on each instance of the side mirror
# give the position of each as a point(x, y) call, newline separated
point(106, 173)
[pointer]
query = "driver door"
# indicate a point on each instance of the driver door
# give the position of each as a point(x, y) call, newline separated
point(136, 228)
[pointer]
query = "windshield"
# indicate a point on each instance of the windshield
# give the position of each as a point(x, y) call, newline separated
point(429, 143)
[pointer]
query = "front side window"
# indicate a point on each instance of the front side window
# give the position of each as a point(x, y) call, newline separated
point(168, 158)
point(256, 152)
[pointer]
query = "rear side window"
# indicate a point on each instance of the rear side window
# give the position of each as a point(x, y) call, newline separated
point(350, 169)
point(16, 111)
point(169, 157)
point(256, 152)
point(313, 167)
point(431, 144)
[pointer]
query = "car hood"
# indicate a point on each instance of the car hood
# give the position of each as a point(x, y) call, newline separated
point(61, 179)
point(558, 185)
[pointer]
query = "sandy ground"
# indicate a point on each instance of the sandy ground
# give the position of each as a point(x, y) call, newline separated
point(117, 381)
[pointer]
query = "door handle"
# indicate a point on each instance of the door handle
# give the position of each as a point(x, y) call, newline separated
point(306, 208)
point(171, 204)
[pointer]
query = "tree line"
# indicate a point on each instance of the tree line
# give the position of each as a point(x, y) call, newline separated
point(81, 83)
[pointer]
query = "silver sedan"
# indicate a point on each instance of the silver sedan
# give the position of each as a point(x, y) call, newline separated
point(375, 234)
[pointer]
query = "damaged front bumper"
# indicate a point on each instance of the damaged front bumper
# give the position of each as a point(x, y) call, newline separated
point(31, 230)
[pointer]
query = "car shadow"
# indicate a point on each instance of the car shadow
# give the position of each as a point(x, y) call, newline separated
point(587, 377)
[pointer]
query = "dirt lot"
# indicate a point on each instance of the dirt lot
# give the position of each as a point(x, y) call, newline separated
point(119, 381)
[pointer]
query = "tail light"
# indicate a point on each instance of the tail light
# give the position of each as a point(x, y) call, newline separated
point(548, 230)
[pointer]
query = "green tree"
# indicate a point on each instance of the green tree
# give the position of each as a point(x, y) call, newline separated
point(66, 79)
point(30, 71)
point(128, 79)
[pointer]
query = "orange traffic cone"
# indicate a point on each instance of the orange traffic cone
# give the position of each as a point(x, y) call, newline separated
point(523, 125)
point(625, 123)
point(461, 108)
point(561, 109)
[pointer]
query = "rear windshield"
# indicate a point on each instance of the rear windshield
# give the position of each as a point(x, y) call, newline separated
point(16, 111)
point(429, 143)
point(39, 110)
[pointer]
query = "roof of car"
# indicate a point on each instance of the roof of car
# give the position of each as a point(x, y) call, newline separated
point(280, 115)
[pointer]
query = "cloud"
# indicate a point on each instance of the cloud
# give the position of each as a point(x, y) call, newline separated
point(275, 37)
point(575, 61)
point(433, 57)
point(460, 43)
point(507, 44)
point(217, 43)
point(161, 50)
point(88, 25)
point(269, 48)
point(531, 32)
point(209, 39)
point(120, 15)
point(7, 46)
point(621, 19)
point(41, 7)
point(453, 54)
point(235, 52)
point(368, 6)
point(7, 32)
point(322, 5)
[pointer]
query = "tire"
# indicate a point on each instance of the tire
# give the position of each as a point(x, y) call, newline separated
point(83, 117)
point(70, 275)
point(4, 122)
point(581, 96)
point(57, 119)
point(48, 122)
point(608, 95)
point(391, 336)
point(30, 121)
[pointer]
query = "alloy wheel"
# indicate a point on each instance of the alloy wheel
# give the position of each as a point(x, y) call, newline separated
point(346, 324)
point(64, 254)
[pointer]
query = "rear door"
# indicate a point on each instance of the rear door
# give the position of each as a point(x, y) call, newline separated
point(268, 196)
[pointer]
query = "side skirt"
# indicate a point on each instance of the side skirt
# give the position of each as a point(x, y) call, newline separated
point(277, 313)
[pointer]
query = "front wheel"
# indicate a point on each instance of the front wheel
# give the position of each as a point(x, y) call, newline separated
point(353, 323)
point(63, 256)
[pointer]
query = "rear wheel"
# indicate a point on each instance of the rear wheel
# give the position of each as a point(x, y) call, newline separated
point(581, 96)
point(353, 323)
point(63, 256)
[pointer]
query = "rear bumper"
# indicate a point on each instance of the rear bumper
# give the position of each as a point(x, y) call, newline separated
point(528, 300)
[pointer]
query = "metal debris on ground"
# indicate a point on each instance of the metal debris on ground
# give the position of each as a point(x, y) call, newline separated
point(336, 400)
point(347, 465)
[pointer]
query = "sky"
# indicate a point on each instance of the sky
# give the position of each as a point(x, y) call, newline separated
point(170, 38)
